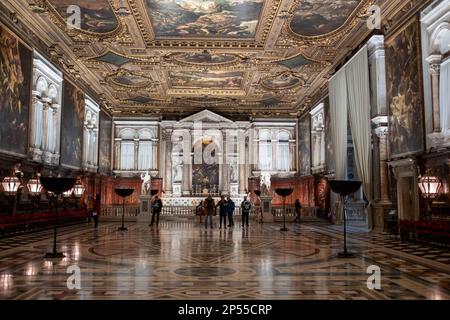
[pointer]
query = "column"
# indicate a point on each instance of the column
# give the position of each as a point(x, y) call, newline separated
point(96, 142)
point(187, 160)
point(167, 136)
point(136, 154)
point(225, 166)
point(384, 171)
point(117, 165)
point(241, 160)
point(435, 69)
point(45, 132)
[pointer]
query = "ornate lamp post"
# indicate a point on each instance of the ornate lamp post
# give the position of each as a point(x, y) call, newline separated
point(57, 186)
point(10, 187)
point(430, 187)
point(345, 188)
point(78, 191)
point(284, 192)
point(34, 189)
point(65, 196)
point(123, 193)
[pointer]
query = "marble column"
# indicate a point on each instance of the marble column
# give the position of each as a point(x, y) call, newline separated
point(225, 166)
point(167, 136)
point(117, 165)
point(241, 161)
point(435, 69)
point(136, 154)
point(187, 160)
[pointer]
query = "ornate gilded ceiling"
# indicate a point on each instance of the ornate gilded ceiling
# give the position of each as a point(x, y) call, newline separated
point(174, 57)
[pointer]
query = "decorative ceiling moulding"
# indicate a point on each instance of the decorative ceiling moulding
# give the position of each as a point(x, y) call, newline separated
point(109, 26)
point(183, 37)
point(204, 58)
point(283, 80)
point(117, 59)
point(129, 80)
point(339, 31)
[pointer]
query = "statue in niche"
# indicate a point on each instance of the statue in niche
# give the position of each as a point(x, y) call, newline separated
point(146, 183)
point(233, 173)
point(177, 169)
point(265, 183)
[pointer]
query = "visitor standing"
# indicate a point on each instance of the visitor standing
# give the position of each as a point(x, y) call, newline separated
point(246, 206)
point(96, 210)
point(298, 210)
point(210, 210)
point(156, 208)
point(200, 211)
point(223, 212)
point(230, 211)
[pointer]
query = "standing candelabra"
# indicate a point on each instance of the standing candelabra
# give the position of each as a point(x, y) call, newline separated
point(284, 192)
point(345, 188)
point(57, 186)
point(123, 193)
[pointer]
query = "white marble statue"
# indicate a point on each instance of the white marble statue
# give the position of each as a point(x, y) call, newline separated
point(233, 173)
point(177, 170)
point(265, 183)
point(146, 183)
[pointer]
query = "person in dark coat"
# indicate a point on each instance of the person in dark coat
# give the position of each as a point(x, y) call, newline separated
point(223, 212)
point(200, 210)
point(298, 210)
point(230, 211)
point(210, 210)
point(245, 207)
point(156, 208)
point(96, 210)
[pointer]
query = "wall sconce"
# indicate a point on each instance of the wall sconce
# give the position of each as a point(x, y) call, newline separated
point(78, 191)
point(430, 187)
point(34, 189)
point(65, 196)
point(10, 187)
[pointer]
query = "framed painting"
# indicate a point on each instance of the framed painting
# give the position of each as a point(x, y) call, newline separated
point(329, 149)
point(304, 147)
point(16, 61)
point(405, 91)
point(105, 143)
point(72, 117)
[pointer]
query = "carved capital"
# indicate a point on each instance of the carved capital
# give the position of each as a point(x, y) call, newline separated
point(435, 61)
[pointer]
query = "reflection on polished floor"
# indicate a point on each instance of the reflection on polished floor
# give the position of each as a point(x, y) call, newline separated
point(182, 260)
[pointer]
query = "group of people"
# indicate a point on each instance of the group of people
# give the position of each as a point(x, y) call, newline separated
point(207, 208)
point(226, 206)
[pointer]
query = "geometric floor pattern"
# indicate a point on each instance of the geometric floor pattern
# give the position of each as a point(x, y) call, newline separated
point(182, 260)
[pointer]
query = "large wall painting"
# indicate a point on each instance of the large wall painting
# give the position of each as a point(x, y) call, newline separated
point(329, 149)
point(206, 79)
point(206, 176)
point(304, 138)
point(96, 16)
point(72, 126)
point(404, 91)
point(105, 143)
point(316, 18)
point(15, 94)
point(204, 19)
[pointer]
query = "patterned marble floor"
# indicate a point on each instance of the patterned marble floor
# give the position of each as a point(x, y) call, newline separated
point(182, 260)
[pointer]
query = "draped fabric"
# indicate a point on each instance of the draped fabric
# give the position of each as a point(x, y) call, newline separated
point(358, 92)
point(127, 155)
point(283, 158)
point(350, 97)
point(145, 155)
point(338, 113)
point(444, 98)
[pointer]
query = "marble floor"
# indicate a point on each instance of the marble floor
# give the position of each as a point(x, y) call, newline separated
point(182, 260)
